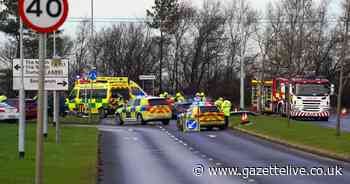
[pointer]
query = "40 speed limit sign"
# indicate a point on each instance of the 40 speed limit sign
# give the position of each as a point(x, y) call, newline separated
point(43, 15)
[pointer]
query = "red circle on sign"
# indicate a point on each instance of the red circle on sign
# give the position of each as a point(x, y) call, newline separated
point(50, 29)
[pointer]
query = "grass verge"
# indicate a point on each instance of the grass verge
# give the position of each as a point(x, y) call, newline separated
point(70, 119)
point(301, 135)
point(72, 161)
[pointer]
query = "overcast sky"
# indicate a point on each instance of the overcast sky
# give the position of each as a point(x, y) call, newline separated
point(121, 8)
point(125, 9)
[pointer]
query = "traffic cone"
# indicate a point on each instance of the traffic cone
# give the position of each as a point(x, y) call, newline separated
point(244, 119)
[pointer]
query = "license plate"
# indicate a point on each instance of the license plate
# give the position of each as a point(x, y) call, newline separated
point(12, 117)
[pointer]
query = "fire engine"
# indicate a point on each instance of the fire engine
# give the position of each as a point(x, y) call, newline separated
point(309, 98)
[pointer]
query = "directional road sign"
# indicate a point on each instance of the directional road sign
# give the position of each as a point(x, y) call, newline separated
point(192, 125)
point(43, 15)
point(147, 77)
point(56, 74)
point(92, 75)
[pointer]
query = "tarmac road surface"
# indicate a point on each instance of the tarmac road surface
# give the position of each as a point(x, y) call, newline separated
point(135, 154)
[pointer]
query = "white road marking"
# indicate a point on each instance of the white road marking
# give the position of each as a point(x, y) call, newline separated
point(210, 159)
point(212, 136)
point(218, 163)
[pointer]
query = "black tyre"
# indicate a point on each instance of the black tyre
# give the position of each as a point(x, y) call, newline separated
point(209, 128)
point(166, 122)
point(223, 127)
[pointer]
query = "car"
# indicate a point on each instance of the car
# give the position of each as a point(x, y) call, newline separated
point(145, 109)
point(8, 112)
point(179, 108)
point(30, 106)
point(206, 115)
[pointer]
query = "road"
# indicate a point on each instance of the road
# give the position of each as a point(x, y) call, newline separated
point(332, 123)
point(156, 154)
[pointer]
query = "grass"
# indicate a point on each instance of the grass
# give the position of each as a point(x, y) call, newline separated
point(72, 161)
point(300, 133)
point(71, 119)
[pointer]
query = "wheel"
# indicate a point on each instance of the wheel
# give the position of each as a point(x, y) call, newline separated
point(118, 120)
point(209, 128)
point(140, 119)
point(102, 113)
point(166, 122)
point(223, 127)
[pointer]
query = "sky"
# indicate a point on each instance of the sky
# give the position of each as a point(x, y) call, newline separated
point(123, 9)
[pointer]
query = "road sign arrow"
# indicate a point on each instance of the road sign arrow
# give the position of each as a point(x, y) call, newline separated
point(17, 67)
point(64, 83)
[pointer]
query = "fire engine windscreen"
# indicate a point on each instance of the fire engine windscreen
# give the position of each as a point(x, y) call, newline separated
point(312, 89)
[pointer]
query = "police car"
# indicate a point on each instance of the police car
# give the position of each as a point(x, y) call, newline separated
point(205, 114)
point(144, 109)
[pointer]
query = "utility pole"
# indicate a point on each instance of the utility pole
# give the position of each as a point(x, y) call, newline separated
point(22, 117)
point(39, 130)
point(342, 58)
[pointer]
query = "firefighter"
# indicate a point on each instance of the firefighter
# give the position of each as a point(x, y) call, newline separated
point(179, 97)
point(226, 108)
point(219, 102)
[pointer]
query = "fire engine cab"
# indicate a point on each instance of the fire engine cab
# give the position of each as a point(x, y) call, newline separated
point(309, 98)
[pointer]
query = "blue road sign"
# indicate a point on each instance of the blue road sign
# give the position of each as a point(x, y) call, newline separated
point(92, 75)
point(191, 124)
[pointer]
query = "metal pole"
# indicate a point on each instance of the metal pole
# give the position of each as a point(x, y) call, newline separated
point(39, 129)
point(56, 97)
point(54, 92)
point(45, 132)
point(242, 62)
point(21, 127)
point(92, 18)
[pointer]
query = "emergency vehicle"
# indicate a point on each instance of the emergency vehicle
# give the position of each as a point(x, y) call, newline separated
point(102, 96)
point(309, 97)
point(265, 95)
point(205, 114)
point(144, 109)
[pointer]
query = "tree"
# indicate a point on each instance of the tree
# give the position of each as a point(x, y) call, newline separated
point(346, 19)
point(163, 14)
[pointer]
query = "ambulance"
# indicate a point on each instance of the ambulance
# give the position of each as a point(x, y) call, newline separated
point(101, 96)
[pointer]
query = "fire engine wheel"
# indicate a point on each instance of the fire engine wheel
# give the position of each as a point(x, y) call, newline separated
point(166, 122)
point(119, 120)
point(140, 119)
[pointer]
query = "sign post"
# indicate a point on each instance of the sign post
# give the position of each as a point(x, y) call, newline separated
point(92, 78)
point(43, 16)
point(22, 111)
point(144, 78)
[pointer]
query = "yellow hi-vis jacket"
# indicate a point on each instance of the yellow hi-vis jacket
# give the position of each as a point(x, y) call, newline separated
point(218, 104)
point(226, 107)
